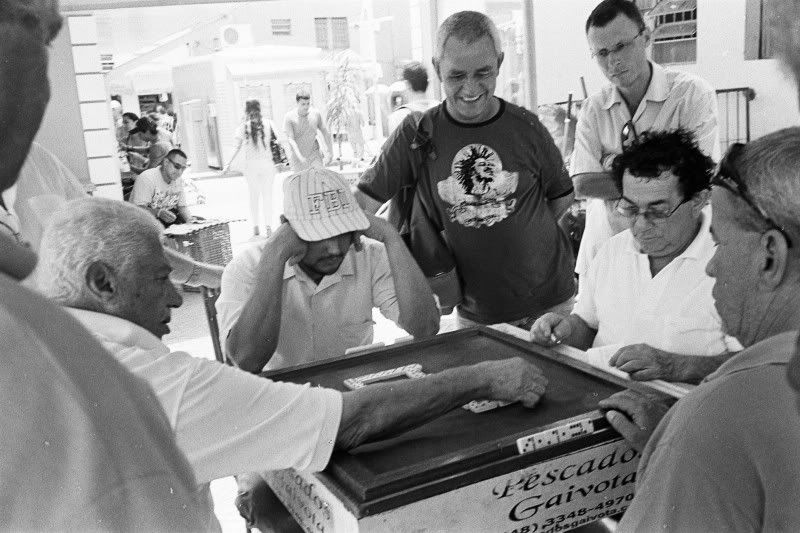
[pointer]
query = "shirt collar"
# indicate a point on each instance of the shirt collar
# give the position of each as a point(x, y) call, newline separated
point(699, 247)
point(657, 91)
point(110, 328)
point(776, 350)
point(347, 268)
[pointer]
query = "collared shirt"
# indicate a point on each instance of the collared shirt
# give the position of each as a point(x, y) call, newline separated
point(673, 99)
point(317, 321)
point(85, 446)
point(226, 421)
point(672, 311)
point(726, 457)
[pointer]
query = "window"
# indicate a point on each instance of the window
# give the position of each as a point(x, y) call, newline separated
point(758, 40)
point(281, 26)
point(674, 31)
point(332, 33)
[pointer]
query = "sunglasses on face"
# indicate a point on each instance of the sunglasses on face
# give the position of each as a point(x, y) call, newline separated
point(728, 178)
point(177, 166)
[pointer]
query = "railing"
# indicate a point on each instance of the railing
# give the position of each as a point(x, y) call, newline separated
point(733, 116)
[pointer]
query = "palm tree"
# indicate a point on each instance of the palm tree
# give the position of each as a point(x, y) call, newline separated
point(344, 98)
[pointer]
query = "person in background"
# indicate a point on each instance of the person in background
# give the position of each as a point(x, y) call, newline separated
point(86, 446)
point(301, 126)
point(104, 260)
point(255, 136)
point(494, 183)
point(726, 457)
point(282, 299)
point(645, 305)
point(416, 100)
point(640, 96)
point(160, 143)
point(161, 191)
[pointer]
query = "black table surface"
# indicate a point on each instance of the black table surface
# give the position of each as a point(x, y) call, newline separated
point(460, 441)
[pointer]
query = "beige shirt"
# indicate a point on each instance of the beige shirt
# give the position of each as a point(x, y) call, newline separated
point(317, 321)
point(673, 99)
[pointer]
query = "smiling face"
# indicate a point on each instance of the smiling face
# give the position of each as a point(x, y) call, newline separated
point(628, 66)
point(468, 72)
point(668, 236)
point(146, 295)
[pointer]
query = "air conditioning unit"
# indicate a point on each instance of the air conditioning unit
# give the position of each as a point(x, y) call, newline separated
point(235, 35)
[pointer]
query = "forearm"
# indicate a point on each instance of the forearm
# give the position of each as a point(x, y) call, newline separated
point(559, 206)
point(233, 157)
point(694, 368)
point(581, 335)
point(386, 409)
point(184, 212)
point(253, 339)
point(187, 271)
point(418, 312)
point(595, 185)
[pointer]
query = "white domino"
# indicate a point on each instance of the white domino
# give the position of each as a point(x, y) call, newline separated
point(481, 406)
point(550, 437)
point(412, 371)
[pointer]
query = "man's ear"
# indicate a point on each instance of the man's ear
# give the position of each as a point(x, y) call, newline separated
point(435, 63)
point(500, 58)
point(700, 200)
point(101, 280)
point(774, 249)
point(646, 36)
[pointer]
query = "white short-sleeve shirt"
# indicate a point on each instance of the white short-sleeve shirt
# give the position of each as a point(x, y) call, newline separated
point(672, 311)
point(226, 421)
point(317, 321)
point(673, 99)
point(150, 190)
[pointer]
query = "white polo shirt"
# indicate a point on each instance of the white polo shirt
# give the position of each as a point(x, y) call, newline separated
point(226, 421)
point(317, 321)
point(673, 311)
point(673, 99)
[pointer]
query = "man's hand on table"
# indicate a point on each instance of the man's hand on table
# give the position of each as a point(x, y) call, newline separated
point(634, 415)
point(644, 363)
point(515, 380)
point(167, 216)
point(550, 329)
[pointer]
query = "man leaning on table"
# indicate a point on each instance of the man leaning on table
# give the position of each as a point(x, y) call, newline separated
point(640, 96)
point(646, 300)
point(307, 293)
point(104, 260)
point(726, 457)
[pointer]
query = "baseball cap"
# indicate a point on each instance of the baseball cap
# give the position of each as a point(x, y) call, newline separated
point(318, 204)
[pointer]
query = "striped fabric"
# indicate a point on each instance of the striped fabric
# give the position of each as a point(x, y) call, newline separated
point(318, 204)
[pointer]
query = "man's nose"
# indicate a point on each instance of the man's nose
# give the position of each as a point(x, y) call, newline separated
point(174, 297)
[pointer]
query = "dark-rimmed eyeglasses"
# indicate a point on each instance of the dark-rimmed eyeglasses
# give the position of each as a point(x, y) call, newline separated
point(628, 209)
point(729, 179)
point(621, 46)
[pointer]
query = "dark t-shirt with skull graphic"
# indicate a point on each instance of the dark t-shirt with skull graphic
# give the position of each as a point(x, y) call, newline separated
point(489, 183)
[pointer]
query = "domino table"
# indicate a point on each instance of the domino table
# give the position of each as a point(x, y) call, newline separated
point(483, 467)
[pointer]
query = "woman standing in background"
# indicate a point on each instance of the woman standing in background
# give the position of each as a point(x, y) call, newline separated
point(255, 135)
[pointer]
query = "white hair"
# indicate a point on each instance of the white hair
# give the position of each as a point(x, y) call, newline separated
point(466, 26)
point(84, 232)
point(770, 166)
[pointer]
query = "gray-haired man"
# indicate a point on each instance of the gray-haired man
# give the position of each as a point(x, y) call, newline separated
point(493, 180)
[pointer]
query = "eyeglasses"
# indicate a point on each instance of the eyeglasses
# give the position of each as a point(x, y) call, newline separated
point(728, 178)
point(618, 48)
point(176, 166)
point(628, 209)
